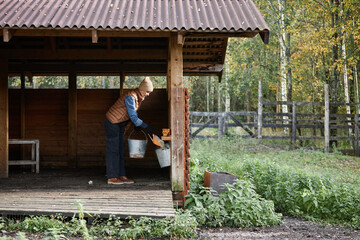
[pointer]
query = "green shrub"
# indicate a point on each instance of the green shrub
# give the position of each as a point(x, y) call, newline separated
point(183, 225)
point(298, 194)
point(320, 191)
point(238, 206)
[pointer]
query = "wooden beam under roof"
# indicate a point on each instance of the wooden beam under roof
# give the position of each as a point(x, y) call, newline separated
point(29, 32)
point(94, 36)
point(86, 67)
point(156, 69)
point(7, 34)
point(93, 54)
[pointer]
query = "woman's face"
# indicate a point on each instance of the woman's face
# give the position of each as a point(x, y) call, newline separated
point(145, 93)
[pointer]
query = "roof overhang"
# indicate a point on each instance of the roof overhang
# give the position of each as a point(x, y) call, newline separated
point(126, 36)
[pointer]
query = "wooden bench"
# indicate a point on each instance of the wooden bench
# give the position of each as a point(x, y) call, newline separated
point(34, 153)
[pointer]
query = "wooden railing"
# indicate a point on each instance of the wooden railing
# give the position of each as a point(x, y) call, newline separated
point(220, 120)
point(321, 122)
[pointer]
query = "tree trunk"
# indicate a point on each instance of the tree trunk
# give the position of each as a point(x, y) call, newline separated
point(356, 88)
point(219, 98)
point(283, 80)
point(248, 104)
point(289, 75)
point(346, 80)
point(334, 81)
point(208, 94)
point(227, 95)
point(212, 96)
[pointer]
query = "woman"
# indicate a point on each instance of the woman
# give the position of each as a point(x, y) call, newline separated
point(117, 117)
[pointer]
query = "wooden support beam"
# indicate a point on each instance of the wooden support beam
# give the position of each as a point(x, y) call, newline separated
point(86, 33)
point(122, 80)
point(7, 34)
point(115, 68)
point(22, 113)
point(181, 39)
point(73, 54)
point(108, 44)
point(53, 44)
point(175, 73)
point(94, 36)
point(4, 119)
point(72, 117)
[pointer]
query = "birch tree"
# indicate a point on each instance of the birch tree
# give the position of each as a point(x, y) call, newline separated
point(282, 36)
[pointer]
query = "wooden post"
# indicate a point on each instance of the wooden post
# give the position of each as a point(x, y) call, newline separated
point(94, 36)
point(175, 73)
point(72, 120)
point(22, 113)
point(327, 120)
point(357, 152)
point(190, 127)
point(260, 111)
point(293, 138)
point(4, 119)
point(221, 125)
point(122, 80)
point(255, 123)
point(7, 34)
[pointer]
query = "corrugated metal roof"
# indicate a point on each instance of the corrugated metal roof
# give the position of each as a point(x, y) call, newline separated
point(165, 15)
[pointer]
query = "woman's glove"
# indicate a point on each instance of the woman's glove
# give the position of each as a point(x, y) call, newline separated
point(149, 130)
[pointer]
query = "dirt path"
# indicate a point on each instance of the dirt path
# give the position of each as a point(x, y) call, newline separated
point(291, 229)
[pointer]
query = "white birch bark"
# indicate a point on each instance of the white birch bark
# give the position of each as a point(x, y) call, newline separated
point(356, 88)
point(346, 81)
point(208, 94)
point(212, 95)
point(227, 95)
point(219, 98)
point(283, 60)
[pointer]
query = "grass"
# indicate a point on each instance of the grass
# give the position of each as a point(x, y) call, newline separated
point(301, 182)
point(314, 162)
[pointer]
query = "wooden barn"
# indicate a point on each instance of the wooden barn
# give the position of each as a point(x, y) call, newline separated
point(65, 126)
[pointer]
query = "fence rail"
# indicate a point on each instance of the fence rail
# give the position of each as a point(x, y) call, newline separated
point(292, 122)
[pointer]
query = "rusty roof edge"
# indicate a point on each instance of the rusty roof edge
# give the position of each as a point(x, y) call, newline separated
point(217, 33)
point(206, 30)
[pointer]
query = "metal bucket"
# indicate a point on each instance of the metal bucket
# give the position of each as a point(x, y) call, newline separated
point(163, 156)
point(137, 148)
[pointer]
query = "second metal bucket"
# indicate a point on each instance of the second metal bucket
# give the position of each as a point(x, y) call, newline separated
point(163, 156)
point(137, 148)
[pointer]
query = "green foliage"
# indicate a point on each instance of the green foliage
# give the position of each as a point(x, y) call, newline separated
point(311, 194)
point(56, 227)
point(238, 206)
point(182, 226)
point(299, 194)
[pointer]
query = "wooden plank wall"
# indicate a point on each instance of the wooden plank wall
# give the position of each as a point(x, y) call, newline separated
point(46, 117)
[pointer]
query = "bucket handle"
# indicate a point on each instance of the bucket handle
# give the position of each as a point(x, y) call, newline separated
point(142, 132)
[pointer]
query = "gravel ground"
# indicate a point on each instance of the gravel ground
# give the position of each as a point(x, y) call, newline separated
point(292, 228)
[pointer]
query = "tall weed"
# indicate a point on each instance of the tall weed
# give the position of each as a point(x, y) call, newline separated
point(183, 225)
point(238, 206)
point(294, 189)
point(298, 194)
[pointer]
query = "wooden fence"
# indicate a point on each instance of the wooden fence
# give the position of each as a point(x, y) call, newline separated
point(292, 125)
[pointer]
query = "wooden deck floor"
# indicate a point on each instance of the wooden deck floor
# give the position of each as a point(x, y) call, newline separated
point(59, 191)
